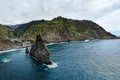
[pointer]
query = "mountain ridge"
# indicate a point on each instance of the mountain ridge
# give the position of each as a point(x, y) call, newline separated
point(63, 29)
point(52, 31)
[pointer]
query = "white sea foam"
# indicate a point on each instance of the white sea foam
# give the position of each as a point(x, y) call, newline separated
point(51, 44)
point(5, 60)
point(86, 40)
point(63, 42)
point(53, 65)
point(10, 50)
point(56, 43)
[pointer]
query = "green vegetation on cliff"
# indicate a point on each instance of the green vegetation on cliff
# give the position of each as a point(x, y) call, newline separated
point(63, 29)
point(6, 34)
point(57, 30)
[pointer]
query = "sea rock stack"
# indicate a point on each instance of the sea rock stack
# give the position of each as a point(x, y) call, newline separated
point(40, 52)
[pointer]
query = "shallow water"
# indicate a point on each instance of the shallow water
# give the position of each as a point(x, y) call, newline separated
point(82, 60)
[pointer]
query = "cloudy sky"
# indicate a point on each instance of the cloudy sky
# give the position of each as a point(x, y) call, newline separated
point(104, 12)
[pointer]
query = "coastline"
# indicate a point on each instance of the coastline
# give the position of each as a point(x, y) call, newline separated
point(12, 49)
point(22, 47)
point(47, 44)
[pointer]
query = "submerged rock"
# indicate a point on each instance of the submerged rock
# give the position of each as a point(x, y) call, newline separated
point(40, 52)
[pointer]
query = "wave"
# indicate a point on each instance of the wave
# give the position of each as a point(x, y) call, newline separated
point(10, 50)
point(86, 40)
point(53, 65)
point(51, 44)
point(56, 43)
point(6, 60)
point(63, 42)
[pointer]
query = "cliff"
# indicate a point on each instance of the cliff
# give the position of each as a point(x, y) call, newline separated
point(63, 29)
point(57, 30)
point(6, 34)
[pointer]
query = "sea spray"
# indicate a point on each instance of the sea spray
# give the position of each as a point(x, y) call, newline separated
point(55, 43)
point(86, 40)
point(53, 65)
point(6, 60)
point(50, 44)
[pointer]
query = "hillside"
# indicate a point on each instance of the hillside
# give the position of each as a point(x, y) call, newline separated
point(6, 34)
point(63, 29)
point(22, 28)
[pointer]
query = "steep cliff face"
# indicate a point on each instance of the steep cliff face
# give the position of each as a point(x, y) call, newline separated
point(63, 29)
point(6, 34)
point(5, 44)
point(40, 52)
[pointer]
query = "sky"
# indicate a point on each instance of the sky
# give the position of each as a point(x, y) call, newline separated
point(104, 12)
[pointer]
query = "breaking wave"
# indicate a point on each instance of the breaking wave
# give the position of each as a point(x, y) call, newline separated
point(6, 60)
point(51, 44)
point(86, 40)
point(10, 50)
point(53, 65)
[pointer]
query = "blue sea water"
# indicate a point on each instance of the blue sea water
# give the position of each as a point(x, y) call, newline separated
point(82, 60)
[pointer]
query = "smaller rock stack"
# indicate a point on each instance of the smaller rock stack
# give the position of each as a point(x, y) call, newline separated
point(27, 50)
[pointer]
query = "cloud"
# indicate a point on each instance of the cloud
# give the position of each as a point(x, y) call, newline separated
point(104, 12)
point(110, 21)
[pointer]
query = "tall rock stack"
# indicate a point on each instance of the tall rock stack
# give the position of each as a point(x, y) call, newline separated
point(40, 52)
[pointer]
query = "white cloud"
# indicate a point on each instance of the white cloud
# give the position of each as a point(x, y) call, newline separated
point(111, 21)
point(104, 12)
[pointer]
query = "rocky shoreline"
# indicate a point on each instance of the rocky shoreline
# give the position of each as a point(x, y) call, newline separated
point(11, 49)
point(50, 43)
point(58, 30)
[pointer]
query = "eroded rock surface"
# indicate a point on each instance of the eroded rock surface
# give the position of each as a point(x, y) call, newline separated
point(40, 52)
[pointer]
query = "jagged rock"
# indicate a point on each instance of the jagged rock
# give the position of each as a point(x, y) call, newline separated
point(27, 50)
point(40, 52)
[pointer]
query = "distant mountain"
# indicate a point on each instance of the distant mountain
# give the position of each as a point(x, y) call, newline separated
point(6, 34)
point(63, 29)
point(13, 26)
point(22, 28)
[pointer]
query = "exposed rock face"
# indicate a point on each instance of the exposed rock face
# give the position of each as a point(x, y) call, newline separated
point(40, 52)
point(5, 44)
point(6, 34)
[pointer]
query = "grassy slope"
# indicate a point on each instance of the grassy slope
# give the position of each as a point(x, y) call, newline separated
point(62, 29)
point(6, 34)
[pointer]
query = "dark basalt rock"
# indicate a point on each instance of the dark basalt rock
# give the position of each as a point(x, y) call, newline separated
point(40, 52)
point(27, 50)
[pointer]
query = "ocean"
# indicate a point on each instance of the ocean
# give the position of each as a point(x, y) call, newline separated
point(77, 60)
